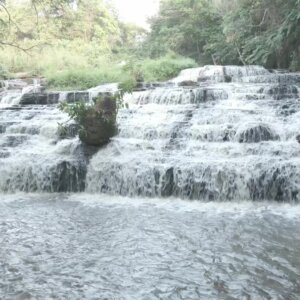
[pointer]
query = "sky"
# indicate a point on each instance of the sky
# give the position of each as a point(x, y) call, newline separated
point(136, 11)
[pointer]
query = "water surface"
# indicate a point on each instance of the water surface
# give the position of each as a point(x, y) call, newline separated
point(102, 247)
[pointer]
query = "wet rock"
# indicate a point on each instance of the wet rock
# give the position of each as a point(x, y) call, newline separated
point(2, 128)
point(68, 177)
point(204, 78)
point(77, 96)
point(188, 83)
point(34, 99)
point(274, 184)
point(99, 123)
point(298, 138)
point(256, 134)
point(167, 183)
point(13, 140)
point(53, 98)
point(280, 92)
point(227, 78)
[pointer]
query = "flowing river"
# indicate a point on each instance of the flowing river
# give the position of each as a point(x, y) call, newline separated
point(195, 198)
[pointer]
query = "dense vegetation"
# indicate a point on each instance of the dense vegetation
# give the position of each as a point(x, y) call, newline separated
point(264, 32)
point(83, 43)
point(74, 46)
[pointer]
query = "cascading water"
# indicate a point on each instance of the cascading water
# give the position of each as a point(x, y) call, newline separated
point(215, 134)
point(211, 141)
point(33, 156)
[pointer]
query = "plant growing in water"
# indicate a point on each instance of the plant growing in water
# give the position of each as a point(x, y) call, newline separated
point(97, 121)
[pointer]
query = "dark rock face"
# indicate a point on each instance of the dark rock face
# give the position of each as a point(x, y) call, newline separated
point(77, 96)
point(227, 78)
point(280, 92)
point(69, 177)
point(97, 131)
point(52, 98)
point(257, 134)
point(34, 98)
point(188, 83)
point(298, 138)
point(99, 123)
point(167, 183)
point(273, 184)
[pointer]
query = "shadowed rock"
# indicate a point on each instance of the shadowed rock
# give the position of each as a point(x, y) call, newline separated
point(34, 98)
point(13, 140)
point(188, 83)
point(77, 96)
point(274, 184)
point(256, 134)
point(99, 122)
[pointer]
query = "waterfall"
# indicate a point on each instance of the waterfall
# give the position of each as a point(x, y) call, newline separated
point(232, 135)
point(213, 133)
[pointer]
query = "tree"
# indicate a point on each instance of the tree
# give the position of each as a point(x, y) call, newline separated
point(262, 32)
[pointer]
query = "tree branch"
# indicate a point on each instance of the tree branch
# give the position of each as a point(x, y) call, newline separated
point(240, 56)
point(6, 10)
point(19, 47)
point(263, 19)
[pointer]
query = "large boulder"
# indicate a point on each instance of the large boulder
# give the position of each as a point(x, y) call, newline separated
point(99, 122)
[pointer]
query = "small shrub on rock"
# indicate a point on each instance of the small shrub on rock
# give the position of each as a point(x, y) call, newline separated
point(97, 121)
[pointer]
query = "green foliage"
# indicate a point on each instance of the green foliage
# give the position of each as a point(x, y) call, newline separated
point(76, 111)
point(4, 74)
point(83, 78)
point(159, 69)
point(81, 48)
point(265, 32)
point(82, 113)
point(97, 120)
point(52, 38)
point(183, 26)
point(165, 67)
point(262, 32)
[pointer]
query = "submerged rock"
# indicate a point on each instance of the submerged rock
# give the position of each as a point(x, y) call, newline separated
point(274, 184)
point(256, 134)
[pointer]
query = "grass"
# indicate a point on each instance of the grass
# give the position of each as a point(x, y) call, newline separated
point(67, 68)
point(83, 78)
point(165, 67)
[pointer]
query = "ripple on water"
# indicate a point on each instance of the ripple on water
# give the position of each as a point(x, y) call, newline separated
point(99, 247)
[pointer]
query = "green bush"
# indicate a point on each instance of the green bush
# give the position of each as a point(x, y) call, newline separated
point(165, 67)
point(159, 69)
point(96, 121)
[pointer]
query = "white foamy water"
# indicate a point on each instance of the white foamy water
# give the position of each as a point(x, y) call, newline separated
point(216, 141)
point(230, 142)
